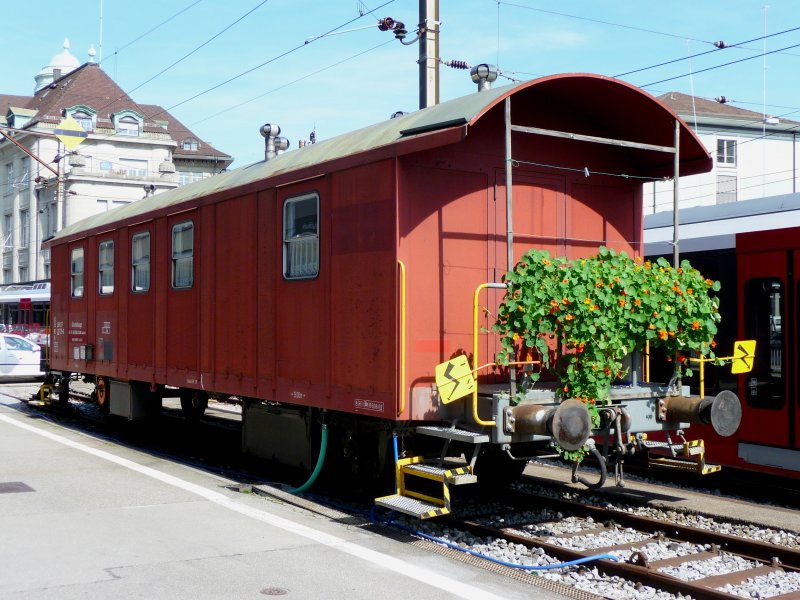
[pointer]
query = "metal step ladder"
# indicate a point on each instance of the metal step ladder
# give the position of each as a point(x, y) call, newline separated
point(686, 456)
point(422, 503)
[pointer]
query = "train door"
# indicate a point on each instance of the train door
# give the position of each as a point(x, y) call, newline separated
point(767, 408)
point(794, 397)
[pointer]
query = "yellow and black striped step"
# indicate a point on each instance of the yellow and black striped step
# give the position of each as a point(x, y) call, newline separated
point(412, 506)
point(455, 476)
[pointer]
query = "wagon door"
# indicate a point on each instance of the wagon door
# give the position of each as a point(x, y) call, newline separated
point(303, 318)
point(767, 410)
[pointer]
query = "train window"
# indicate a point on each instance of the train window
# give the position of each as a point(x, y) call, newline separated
point(76, 270)
point(140, 262)
point(763, 306)
point(301, 237)
point(183, 255)
point(106, 267)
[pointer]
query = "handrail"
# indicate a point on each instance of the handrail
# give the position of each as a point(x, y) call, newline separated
point(402, 383)
point(478, 290)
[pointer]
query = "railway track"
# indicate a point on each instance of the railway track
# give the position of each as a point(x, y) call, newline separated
point(648, 553)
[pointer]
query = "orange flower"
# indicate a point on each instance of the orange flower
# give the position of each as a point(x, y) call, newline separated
point(689, 291)
point(637, 302)
point(713, 343)
point(587, 301)
point(569, 317)
point(696, 325)
point(599, 284)
point(709, 282)
point(621, 302)
point(662, 334)
point(553, 303)
point(545, 262)
point(565, 301)
point(520, 308)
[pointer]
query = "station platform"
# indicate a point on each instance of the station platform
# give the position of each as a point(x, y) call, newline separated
point(83, 517)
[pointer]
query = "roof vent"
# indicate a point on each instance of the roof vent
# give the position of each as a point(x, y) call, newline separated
point(270, 132)
point(483, 75)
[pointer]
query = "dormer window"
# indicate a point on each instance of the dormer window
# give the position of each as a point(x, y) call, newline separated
point(83, 115)
point(128, 126)
point(128, 122)
point(190, 144)
point(84, 120)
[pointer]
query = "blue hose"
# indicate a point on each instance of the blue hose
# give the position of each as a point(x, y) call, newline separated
point(569, 563)
point(323, 447)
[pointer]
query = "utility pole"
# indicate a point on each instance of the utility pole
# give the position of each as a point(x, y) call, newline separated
point(428, 53)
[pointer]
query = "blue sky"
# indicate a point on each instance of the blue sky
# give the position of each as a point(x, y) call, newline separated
point(376, 75)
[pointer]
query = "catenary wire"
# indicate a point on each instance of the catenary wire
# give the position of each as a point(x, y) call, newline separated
point(265, 63)
point(727, 64)
point(299, 79)
point(148, 32)
point(601, 22)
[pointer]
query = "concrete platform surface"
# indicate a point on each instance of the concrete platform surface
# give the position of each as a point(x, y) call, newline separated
point(82, 517)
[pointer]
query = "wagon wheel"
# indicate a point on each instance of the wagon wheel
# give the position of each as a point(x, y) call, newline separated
point(193, 403)
point(102, 394)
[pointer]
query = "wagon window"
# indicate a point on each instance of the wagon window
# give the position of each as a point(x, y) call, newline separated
point(76, 270)
point(140, 262)
point(301, 237)
point(183, 255)
point(763, 306)
point(106, 266)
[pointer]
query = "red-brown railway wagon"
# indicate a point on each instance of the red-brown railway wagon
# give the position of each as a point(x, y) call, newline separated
point(337, 276)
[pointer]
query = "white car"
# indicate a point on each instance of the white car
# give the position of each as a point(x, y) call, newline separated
point(19, 358)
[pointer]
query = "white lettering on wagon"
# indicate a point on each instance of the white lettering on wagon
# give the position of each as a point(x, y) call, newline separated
point(371, 405)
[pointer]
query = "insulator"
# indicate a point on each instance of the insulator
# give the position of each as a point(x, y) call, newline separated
point(457, 64)
point(721, 99)
point(720, 44)
point(386, 24)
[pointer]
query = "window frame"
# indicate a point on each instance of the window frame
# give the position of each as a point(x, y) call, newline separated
point(24, 228)
point(183, 256)
point(138, 262)
point(726, 152)
point(76, 275)
point(292, 240)
point(104, 268)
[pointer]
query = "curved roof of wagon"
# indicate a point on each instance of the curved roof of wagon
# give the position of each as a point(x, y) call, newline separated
point(600, 105)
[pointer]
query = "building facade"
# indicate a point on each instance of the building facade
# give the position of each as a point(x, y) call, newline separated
point(126, 151)
point(755, 156)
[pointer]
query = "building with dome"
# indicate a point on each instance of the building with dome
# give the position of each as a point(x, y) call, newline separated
point(127, 151)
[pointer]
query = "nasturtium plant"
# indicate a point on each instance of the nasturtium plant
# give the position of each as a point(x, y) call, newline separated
point(582, 317)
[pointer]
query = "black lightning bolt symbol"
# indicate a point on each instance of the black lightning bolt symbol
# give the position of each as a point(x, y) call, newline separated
point(450, 367)
point(744, 358)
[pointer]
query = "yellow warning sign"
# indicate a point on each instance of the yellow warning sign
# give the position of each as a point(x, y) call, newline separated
point(454, 379)
point(70, 132)
point(744, 354)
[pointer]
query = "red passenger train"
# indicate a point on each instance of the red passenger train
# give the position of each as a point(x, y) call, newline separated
point(326, 284)
point(748, 247)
